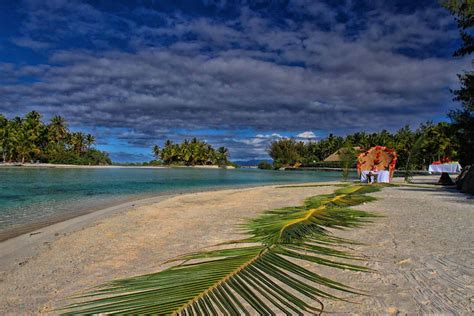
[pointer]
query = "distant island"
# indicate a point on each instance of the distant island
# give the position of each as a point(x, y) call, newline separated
point(192, 152)
point(28, 139)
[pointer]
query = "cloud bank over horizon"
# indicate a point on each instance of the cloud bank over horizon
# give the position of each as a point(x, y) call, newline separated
point(234, 74)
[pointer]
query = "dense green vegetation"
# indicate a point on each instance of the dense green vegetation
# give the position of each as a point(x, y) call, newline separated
point(191, 153)
point(28, 139)
point(463, 119)
point(264, 165)
point(433, 141)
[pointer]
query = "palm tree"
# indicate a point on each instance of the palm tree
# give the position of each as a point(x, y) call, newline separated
point(156, 152)
point(411, 156)
point(384, 138)
point(404, 140)
point(29, 138)
point(11, 139)
point(192, 152)
point(57, 129)
point(90, 140)
point(261, 274)
point(223, 155)
point(332, 145)
point(185, 152)
point(3, 137)
point(167, 152)
point(77, 140)
point(23, 145)
point(34, 131)
point(347, 155)
point(197, 151)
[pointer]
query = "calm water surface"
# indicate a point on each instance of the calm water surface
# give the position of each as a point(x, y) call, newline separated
point(32, 195)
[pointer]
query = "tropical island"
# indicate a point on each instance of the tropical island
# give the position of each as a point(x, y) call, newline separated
point(192, 152)
point(28, 139)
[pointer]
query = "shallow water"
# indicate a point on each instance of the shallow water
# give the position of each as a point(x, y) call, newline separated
point(33, 195)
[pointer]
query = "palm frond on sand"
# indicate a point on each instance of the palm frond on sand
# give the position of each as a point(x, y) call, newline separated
point(260, 274)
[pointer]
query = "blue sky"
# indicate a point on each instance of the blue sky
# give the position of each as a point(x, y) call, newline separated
point(235, 73)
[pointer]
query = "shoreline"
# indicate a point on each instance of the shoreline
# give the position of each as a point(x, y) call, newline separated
point(30, 228)
point(30, 234)
point(16, 250)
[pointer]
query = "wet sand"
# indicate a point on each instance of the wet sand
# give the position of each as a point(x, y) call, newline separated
point(422, 248)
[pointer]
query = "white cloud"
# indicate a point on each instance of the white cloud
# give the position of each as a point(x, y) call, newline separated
point(273, 135)
point(29, 43)
point(306, 135)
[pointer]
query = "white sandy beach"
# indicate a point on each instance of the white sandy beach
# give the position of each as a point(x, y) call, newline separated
point(422, 248)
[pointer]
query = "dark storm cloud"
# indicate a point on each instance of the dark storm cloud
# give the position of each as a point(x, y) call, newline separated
point(245, 72)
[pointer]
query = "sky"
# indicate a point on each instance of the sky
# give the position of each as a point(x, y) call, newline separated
point(234, 73)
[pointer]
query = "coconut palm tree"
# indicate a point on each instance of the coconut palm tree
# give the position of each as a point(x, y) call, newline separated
point(156, 152)
point(57, 130)
point(29, 138)
point(182, 153)
point(33, 129)
point(77, 141)
point(223, 155)
point(89, 140)
point(11, 138)
point(192, 152)
point(3, 137)
point(167, 152)
point(404, 140)
point(20, 140)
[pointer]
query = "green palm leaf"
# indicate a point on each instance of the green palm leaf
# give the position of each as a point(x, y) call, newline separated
point(257, 274)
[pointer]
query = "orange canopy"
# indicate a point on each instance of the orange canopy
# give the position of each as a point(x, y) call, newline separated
point(377, 158)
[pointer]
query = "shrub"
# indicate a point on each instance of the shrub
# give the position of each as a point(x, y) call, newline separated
point(264, 165)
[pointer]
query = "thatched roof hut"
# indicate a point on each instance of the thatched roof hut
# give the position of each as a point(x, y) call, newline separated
point(336, 156)
point(377, 158)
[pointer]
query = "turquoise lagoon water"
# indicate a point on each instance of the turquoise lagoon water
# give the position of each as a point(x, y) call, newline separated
point(30, 196)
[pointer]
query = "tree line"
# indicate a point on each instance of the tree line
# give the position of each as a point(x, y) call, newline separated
point(463, 119)
point(190, 153)
point(415, 148)
point(28, 139)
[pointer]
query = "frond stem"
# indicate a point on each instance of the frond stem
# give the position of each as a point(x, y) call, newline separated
point(311, 213)
point(222, 281)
